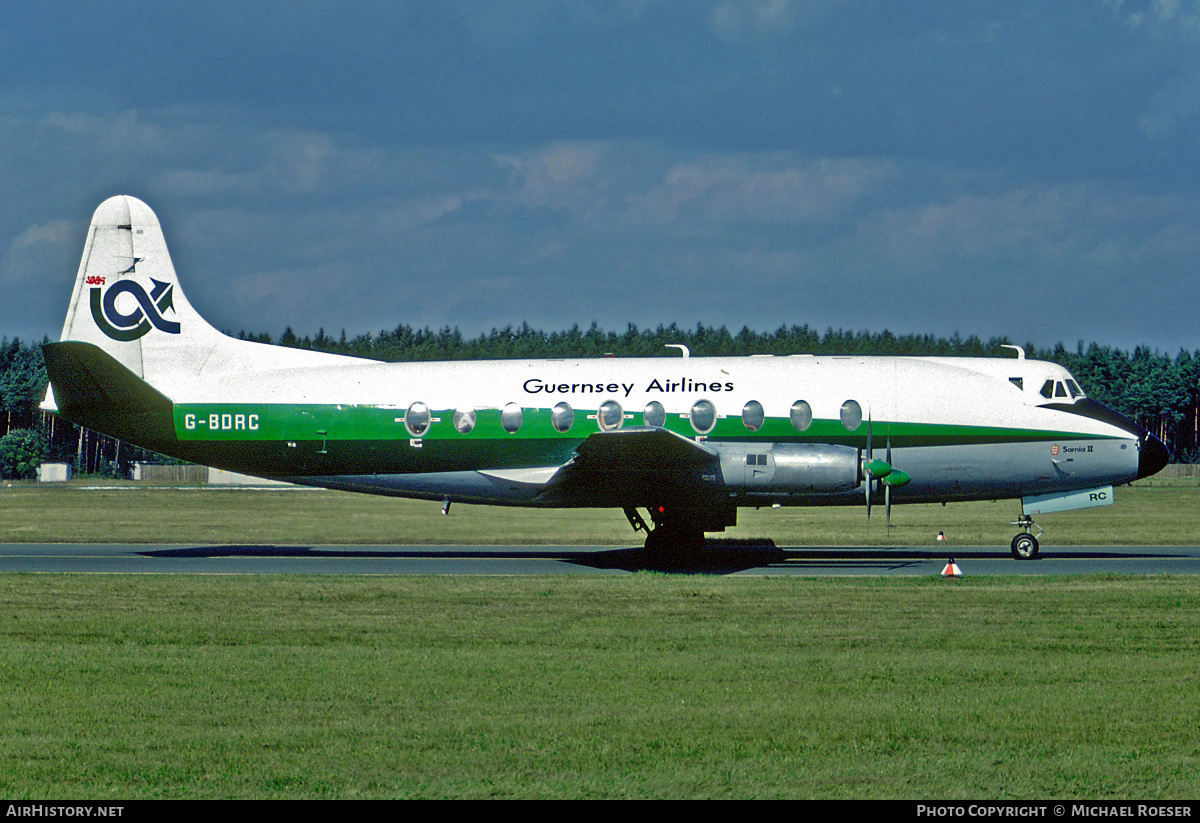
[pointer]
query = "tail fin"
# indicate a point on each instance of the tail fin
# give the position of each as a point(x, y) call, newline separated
point(127, 299)
point(128, 303)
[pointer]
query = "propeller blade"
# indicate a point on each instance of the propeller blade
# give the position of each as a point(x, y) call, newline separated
point(867, 460)
point(887, 487)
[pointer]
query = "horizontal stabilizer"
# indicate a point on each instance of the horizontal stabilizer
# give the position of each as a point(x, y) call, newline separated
point(93, 389)
point(85, 377)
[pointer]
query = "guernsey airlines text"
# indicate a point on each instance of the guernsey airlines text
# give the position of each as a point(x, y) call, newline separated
point(687, 440)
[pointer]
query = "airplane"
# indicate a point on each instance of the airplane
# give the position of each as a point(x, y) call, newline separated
point(690, 440)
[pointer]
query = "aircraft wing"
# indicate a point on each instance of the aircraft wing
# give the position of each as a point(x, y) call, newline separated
point(630, 464)
point(642, 448)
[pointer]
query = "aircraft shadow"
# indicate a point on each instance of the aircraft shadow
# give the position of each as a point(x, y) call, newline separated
point(717, 557)
point(726, 560)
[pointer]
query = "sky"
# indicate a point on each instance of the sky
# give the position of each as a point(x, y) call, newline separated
point(1014, 169)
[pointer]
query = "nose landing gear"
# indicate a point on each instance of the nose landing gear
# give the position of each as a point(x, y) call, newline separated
point(1025, 545)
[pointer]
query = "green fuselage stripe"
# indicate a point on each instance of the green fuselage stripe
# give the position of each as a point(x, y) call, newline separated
point(263, 423)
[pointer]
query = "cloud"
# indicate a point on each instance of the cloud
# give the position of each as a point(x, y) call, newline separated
point(561, 176)
point(1172, 106)
point(1046, 224)
point(1181, 16)
point(300, 160)
point(749, 21)
point(57, 232)
point(770, 188)
point(34, 250)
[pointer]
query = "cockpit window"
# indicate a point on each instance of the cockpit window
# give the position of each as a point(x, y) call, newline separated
point(1061, 390)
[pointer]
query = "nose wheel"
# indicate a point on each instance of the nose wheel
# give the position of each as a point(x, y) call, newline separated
point(1025, 546)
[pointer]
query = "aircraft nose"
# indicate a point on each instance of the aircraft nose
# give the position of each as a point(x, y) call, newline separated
point(1152, 455)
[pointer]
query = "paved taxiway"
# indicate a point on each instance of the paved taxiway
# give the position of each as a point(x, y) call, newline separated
point(720, 557)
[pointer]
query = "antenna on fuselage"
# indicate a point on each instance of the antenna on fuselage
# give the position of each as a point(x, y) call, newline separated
point(1020, 351)
point(682, 348)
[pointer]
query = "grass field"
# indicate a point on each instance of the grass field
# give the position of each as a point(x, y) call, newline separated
point(642, 685)
point(1144, 514)
point(637, 686)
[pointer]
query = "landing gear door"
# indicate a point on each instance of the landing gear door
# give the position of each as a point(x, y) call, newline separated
point(1067, 501)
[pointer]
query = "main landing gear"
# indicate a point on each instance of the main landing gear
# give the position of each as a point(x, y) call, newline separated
point(1025, 545)
point(672, 538)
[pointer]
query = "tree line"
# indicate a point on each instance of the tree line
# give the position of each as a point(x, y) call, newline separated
point(1160, 391)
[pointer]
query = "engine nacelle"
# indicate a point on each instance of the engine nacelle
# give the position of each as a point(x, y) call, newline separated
point(789, 468)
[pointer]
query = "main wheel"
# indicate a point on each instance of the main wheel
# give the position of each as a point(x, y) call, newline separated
point(1025, 546)
point(674, 544)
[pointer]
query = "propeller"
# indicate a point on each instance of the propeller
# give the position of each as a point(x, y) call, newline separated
point(882, 471)
point(872, 468)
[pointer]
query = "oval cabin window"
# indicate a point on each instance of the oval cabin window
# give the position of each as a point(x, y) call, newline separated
point(753, 415)
point(416, 419)
point(851, 415)
point(655, 414)
point(610, 415)
point(464, 420)
point(704, 416)
point(562, 417)
point(801, 415)
point(511, 417)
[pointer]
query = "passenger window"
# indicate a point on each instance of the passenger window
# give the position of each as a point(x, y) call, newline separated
point(562, 417)
point(655, 414)
point(704, 416)
point(610, 415)
point(801, 415)
point(753, 416)
point(511, 417)
point(851, 415)
point(464, 420)
point(416, 419)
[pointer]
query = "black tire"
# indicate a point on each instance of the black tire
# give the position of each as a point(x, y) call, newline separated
point(1025, 547)
point(674, 545)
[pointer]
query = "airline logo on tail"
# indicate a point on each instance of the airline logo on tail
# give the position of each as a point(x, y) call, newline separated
point(147, 314)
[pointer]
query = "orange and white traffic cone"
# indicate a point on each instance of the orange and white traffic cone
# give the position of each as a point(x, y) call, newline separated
point(952, 569)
